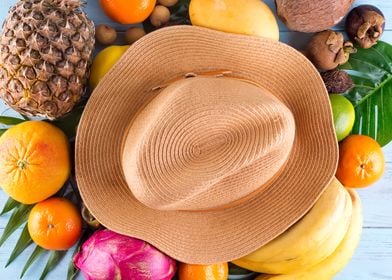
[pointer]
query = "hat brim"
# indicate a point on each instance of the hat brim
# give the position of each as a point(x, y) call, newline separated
point(222, 235)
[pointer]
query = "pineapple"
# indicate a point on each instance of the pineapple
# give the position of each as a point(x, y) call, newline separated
point(46, 50)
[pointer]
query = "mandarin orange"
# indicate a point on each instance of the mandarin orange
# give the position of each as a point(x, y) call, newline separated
point(128, 11)
point(361, 161)
point(34, 161)
point(203, 272)
point(55, 224)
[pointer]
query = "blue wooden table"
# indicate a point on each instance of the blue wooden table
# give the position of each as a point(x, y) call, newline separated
point(373, 259)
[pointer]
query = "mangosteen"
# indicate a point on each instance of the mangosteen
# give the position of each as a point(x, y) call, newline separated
point(365, 25)
point(327, 50)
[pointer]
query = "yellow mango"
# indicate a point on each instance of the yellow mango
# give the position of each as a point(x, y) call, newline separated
point(249, 17)
point(104, 61)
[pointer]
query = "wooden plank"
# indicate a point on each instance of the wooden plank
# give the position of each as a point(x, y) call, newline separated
point(97, 15)
point(374, 256)
point(371, 261)
point(13, 271)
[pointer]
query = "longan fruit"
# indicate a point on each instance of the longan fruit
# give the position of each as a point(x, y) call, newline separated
point(133, 34)
point(159, 16)
point(167, 3)
point(105, 35)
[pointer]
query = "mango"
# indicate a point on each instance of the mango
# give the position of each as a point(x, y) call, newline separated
point(104, 61)
point(249, 17)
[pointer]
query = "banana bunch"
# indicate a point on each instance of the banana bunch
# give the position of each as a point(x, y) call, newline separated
point(316, 247)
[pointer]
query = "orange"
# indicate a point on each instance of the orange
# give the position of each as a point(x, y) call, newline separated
point(55, 224)
point(203, 272)
point(361, 161)
point(128, 11)
point(34, 161)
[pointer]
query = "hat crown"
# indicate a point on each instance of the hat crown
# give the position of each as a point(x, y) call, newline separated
point(206, 143)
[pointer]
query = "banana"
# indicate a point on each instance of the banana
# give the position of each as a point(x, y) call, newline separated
point(328, 268)
point(309, 241)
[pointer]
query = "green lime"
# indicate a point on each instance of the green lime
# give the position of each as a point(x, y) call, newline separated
point(343, 115)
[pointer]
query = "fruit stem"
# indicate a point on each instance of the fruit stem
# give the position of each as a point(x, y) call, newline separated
point(22, 164)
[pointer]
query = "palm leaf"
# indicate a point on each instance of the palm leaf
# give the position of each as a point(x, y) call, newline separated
point(72, 270)
point(69, 123)
point(10, 120)
point(54, 259)
point(371, 71)
point(18, 217)
point(38, 251)
point(9, 205)
point(23, 242)
point(26, 118)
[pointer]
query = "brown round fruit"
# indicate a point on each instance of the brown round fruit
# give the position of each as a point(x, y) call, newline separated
point(133, 34)
point(167, 3)
point(327, 50)
point(105, 35)
point(365, 25)
point(310, 15)
point(160, 15)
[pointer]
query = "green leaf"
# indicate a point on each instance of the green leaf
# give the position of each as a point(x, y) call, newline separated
point(69, 123)
point(236, 270)
point(10, 120)
point(9, 205)
point(26, 118)
point(38, 251)
point(371, 71)
point(18, 217)
point(179, 15)
point(54, 259)
point(2, 131)
point(23, 242)
point(72, 270)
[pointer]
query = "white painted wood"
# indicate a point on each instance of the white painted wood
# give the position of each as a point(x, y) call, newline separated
point(373, 259)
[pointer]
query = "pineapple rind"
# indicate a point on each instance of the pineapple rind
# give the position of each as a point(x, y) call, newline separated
point(46, 51)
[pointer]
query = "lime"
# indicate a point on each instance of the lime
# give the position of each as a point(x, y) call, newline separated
point(343, 115)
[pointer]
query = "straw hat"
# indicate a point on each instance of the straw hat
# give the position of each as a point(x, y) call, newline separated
point(205, 144)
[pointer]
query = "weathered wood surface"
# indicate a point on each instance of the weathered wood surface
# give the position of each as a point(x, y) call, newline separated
point(373, 259)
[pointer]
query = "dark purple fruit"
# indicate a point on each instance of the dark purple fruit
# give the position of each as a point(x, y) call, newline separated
point(365, 25)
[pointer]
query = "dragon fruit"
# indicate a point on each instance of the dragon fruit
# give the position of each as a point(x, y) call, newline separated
point(107, 255)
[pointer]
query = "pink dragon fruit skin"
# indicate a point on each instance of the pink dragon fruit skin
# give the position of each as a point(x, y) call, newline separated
point(107, 255)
